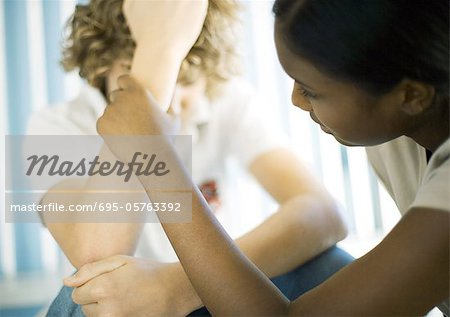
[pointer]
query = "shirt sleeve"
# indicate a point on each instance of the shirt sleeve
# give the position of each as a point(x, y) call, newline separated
point(434, 192)
point(60, 120)
point(251, 132)
point(52, 121)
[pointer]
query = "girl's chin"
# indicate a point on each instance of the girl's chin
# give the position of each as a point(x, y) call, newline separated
point(325, 129)
point(346, 143)
point(342, 141)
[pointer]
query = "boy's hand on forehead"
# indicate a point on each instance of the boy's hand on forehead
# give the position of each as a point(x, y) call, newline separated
point(170, 24)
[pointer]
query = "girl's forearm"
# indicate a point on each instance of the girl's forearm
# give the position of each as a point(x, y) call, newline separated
point(208, 254)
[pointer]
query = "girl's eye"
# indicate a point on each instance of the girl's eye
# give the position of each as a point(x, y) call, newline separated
point(302, 91)
point(306, 93)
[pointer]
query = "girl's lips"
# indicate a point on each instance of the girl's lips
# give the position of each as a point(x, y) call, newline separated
point(324, 128)
point(314, 118)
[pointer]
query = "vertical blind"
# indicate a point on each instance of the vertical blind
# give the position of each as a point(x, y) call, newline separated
point(31, 79)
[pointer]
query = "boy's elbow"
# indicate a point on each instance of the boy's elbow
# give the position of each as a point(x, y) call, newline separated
point(333, 220)
point(82, 256)
point(81, 248)
point(342, 231)
point(339, 224)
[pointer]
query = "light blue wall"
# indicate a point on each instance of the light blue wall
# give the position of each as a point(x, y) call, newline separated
point(17, 65)
point(27, 236)
point(52, 35)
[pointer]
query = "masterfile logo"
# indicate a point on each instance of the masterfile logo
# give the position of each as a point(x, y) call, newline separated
point(78, 179)
point(141, 164)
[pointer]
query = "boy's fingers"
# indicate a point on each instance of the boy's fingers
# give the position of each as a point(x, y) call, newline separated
point(94, 269)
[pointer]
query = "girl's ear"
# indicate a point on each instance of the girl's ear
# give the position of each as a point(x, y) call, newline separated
point(416, 97)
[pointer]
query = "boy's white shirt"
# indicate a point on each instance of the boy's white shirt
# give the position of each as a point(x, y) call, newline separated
point(235, 128)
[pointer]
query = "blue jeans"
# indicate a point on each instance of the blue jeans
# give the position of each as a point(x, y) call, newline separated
point(292, 284)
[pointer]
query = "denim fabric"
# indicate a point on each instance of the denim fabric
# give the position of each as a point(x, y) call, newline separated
point(63, 306)
point(292, 284)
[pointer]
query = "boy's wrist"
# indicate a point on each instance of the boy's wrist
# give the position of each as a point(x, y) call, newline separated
point(157, 70)
point(161, 51)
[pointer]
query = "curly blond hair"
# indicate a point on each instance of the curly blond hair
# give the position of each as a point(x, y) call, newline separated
point(98, 35)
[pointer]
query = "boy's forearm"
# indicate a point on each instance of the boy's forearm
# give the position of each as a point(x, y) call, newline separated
point(157, 69)
point(162, 42)
point(304, 226)
point(84, 242)
point(307, 222)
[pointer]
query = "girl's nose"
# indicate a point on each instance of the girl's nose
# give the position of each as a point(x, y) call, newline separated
point(300, 101)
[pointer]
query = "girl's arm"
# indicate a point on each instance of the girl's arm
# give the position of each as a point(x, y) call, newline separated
point(407, 274)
